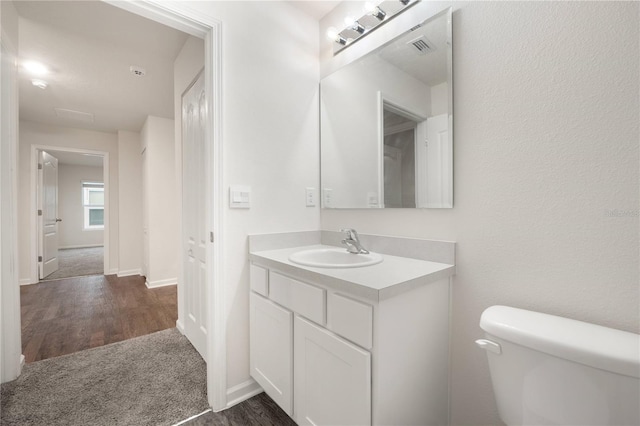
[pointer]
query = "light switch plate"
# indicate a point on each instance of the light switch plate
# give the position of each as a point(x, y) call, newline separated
point(239, 197)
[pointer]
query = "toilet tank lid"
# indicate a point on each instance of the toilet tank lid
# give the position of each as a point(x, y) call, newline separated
point(600, 347)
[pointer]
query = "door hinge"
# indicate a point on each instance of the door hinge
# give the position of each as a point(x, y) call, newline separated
point(39, 212)
point(39, 166)
point(39, 258)
point(211, 236)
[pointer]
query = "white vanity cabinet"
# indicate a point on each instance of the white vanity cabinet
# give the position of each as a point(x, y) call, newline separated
point(332, 378)
point(271, 355)
point(330, 354)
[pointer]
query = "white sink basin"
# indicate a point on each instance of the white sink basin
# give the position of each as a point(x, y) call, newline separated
point(334, 258)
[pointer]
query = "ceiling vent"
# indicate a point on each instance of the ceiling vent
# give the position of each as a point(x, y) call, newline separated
point(70, 114)
point(422, 46)
point(137, 71)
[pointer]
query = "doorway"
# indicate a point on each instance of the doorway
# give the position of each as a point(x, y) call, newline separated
point(208, 28)
point(72, 221)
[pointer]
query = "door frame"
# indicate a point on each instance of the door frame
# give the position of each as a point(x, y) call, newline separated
point(199, 24)
point(34, 227)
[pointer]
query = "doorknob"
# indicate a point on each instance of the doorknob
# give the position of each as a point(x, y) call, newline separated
point(58, 220)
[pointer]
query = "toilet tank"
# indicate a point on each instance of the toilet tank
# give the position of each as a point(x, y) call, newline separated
point(549, 370)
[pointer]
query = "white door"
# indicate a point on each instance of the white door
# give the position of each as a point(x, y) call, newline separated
point(49, 218)
point(332, 378)
point(271, 341)
point(194, 117)
point(438, 162)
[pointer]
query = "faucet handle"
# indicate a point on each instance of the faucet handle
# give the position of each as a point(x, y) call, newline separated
point(351, 233)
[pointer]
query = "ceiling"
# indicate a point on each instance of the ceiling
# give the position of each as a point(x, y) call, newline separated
point(315, 8)
point(430, 68)
point(89, 47)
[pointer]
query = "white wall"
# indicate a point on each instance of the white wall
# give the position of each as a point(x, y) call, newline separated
point(157, 137)
point(62, 137)
point(130, 204)
point(10, 349)
point(270, 140)
point(71, 232)
point(546, 145)
point(186, 67)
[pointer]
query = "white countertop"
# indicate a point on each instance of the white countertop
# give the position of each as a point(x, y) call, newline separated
point(377, 282)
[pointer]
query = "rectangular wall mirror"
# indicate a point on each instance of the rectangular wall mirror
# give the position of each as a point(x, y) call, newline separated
point(387, 124)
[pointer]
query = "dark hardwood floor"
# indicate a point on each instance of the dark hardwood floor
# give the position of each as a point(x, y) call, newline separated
point(257, 411)
point(69, 315)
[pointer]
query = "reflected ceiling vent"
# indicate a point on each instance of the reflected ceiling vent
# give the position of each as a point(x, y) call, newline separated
point(422, 45)
point(70, 114)
point(137, 71)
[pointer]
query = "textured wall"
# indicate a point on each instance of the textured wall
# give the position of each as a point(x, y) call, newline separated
point(546, 104)
point(130, 202)
point(270, 140)
point(60, 138)
point(70, 206)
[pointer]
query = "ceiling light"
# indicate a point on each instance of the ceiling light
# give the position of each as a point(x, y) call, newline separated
point(40, 84)
point(35, 68)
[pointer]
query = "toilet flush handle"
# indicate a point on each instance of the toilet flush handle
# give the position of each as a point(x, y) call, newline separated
point(489, 346)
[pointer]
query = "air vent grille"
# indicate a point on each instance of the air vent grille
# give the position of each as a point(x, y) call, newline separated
point(422, 46)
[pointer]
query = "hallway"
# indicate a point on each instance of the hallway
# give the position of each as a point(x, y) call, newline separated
point(70, 315)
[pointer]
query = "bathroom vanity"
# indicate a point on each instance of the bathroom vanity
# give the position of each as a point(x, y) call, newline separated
point(354, 345)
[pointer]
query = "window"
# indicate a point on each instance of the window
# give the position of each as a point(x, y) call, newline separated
point(93, 203)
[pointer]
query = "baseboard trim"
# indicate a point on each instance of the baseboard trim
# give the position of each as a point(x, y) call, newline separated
point(180, 326)
point(161, 283)
point(242, 392)
point(113, 271)
point(81, 246)
point(23, 360)
point(193, 417)
point(129, 273)
point(26, 281)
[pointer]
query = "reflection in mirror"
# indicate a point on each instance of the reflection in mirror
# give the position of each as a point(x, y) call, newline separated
point(386, 124)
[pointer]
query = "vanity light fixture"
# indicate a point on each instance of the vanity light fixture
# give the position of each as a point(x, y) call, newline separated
point(354, 25)
point(376, 15)
point(333, 34)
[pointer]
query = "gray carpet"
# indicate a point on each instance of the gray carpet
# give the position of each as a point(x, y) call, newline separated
point(158, 379)
point(78, 262)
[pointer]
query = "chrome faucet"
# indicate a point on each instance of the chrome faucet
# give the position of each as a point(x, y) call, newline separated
point(353, 242)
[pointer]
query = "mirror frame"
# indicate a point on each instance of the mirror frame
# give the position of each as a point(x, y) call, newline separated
point(382, 99)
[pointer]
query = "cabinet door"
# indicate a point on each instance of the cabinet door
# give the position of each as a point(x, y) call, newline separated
point(271, 350)
point(332, 378)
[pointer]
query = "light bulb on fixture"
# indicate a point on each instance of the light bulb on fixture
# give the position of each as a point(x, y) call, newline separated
point(375, 11)
point(333, 34)
point(354, 25)
point(40, 84)
point(35, 68)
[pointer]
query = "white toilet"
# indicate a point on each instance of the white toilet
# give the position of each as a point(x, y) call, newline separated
point(549, 370)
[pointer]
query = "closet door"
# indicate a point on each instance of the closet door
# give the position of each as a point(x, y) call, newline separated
point(194, 116)
point(332, 378)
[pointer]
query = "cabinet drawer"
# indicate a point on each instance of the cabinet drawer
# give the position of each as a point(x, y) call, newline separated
point(259, 279)
point(304, 299)
point(351, 319)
